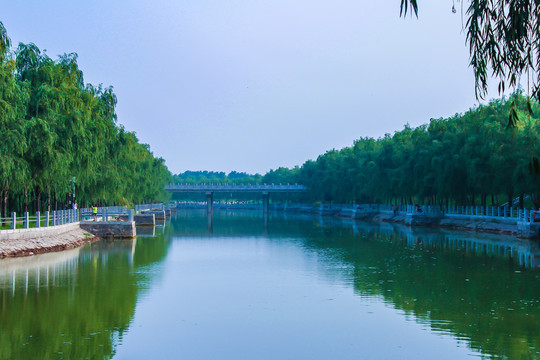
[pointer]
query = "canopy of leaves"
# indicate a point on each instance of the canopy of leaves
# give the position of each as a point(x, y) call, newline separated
point(59, 137)
point(472, 158)
point(503, 38)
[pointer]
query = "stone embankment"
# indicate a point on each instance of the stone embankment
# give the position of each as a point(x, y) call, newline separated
point(488, 224)
point(24, 242)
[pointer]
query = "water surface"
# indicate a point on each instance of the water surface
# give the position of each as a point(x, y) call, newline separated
point(240, 287)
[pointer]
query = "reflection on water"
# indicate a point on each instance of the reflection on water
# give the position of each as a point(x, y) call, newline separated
point(74, 304)
point(41, 270)
point(243, 282)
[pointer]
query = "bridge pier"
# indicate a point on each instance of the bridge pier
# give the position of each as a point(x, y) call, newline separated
point(265, 201)
point(210, 202)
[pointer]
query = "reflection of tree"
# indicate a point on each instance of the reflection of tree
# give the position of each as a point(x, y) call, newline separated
point(82, 316)
point(475, 297)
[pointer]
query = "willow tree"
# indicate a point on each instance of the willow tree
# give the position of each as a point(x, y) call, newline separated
point(503, 38)
point(57, 132)
point(13, 99)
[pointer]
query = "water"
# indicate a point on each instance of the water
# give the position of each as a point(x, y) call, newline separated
point(288, 288)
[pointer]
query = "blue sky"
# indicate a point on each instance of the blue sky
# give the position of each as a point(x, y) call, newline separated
point(251, 85)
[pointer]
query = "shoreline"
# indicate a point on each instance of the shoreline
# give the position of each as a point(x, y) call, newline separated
point(504, 226)
point(43, 240)
point(479, 224)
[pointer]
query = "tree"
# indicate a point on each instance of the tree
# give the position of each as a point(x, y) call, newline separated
point(503, 38)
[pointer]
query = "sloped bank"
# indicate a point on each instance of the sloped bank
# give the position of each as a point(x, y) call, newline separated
point(24, 242)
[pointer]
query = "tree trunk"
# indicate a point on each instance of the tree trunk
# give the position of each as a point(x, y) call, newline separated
point(38, 198)
point(6, 193)
point(521, 201)
point(49, 200)
point(26, 200)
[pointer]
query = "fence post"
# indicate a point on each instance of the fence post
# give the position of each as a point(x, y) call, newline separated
point(131, 215)
point(47, 218)
point(26, 222)
point(13, 220)
point(511, 212)
point(38, 219)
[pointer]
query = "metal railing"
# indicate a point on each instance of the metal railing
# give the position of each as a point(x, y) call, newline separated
point(39, 219)
point(53, 218)
point(479, 212)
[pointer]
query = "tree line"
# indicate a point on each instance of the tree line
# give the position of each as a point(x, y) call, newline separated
point(483, 157)
point(59, 138)
point(215, 177)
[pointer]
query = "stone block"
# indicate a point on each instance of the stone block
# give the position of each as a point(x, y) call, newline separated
point(109, 229)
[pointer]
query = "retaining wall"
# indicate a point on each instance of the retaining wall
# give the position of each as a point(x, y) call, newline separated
point(109, 229)
point(34, 233)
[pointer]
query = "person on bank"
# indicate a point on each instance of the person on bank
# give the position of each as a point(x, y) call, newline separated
point(94, 212)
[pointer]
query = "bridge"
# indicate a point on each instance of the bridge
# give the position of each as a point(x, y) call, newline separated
point(210, 189)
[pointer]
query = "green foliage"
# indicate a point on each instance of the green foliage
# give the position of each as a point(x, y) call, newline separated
point(58, 133)
point(474, 158)
point(503, 40)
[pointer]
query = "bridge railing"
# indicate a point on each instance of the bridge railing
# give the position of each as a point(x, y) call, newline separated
point(233, 187)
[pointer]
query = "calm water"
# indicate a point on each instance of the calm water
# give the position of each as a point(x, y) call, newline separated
point(288, 288)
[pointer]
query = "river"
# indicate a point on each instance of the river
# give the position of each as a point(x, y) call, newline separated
point(290, 287)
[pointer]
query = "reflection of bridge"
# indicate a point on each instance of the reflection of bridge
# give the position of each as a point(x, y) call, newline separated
point(210, 189)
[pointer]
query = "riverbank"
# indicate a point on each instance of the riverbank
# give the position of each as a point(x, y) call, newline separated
point(476, 224)
point(519, 226)
point(25, 242)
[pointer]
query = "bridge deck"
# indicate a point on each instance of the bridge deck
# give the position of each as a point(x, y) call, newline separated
point(260, 188)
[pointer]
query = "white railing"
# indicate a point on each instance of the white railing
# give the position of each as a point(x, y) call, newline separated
point(39, 219)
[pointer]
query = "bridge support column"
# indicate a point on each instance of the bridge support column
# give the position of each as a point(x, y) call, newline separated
point(265, 202)
point(210, 202)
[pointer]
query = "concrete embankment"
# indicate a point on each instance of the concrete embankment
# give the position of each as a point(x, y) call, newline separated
point(110, 229)
point(24, 242)
point(487, 224)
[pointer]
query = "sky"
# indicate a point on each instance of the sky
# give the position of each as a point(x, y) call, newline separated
point(252, 85)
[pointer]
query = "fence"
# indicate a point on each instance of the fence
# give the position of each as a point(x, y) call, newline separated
point(491, 212)
point(61, 217)
point(488, 212)
point(48, 218)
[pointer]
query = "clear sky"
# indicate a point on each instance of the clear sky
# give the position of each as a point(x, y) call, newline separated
point(251, 85)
